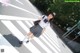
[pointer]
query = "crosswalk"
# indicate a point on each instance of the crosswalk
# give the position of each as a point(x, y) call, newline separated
point(45, 40)
point(46, 43)
point(15, 26)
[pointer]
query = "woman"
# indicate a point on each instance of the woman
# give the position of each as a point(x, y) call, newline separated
point(37, 30)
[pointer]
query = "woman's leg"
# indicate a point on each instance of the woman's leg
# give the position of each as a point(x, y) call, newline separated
point(30, 35)
point(27, 37)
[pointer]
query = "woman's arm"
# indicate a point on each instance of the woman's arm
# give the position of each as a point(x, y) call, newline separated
point(40, 18)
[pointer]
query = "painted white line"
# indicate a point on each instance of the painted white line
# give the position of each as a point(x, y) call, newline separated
point(32, 22)
point(37, 40)
point(4, 44)
point(19, 2)
point(13, 29)
point(56, 51)
point(6, 17)
point(23, 26)
point(51, 40)
point(20, 36)
point(31, 47)
point(31, 25)
point(53, 35)
point(22, 9)
point(58, 45)
point(28, 23)
point(45, 40)
point(42, 45)
point(47, 36)
point(57, 40)
point(58, 48)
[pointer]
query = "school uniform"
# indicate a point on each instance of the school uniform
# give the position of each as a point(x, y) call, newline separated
point(37, 29)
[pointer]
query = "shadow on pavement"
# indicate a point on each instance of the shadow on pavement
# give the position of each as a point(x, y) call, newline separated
point(12, 40)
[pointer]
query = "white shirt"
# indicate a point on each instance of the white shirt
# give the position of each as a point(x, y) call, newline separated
point(42, 23)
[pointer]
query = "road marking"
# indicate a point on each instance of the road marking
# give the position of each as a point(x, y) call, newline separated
point(4, 44)
point(48, 37)
point(20, 36)
point(23, 26)
point(54, 37)
point(46, 41)
point(58, 44)
point(19, 2)
point(54, 49)
point(6, 17)
point(37, 40)
point(22, 9)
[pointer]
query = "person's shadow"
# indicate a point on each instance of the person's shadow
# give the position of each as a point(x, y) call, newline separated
point(12, 40)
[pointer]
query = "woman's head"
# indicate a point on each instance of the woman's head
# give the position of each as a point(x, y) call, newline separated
point(51, 15)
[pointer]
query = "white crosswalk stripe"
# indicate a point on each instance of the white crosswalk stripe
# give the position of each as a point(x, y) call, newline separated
point(19, 2)
point(48, 42)
point(54, 48)
point(4, 44)
point(37, 40)
point(44, 39)
point(47, 36)
point(20, 36)
point(52, 39)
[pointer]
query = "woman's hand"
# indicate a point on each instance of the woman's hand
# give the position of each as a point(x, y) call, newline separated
point(40, 18)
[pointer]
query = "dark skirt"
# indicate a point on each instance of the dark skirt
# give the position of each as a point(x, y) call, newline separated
point(36, 30)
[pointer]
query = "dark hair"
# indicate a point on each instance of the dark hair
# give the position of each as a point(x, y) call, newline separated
point(52, 13)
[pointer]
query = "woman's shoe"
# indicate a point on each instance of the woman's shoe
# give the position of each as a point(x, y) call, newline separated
point(27, 41)
point(20, 42)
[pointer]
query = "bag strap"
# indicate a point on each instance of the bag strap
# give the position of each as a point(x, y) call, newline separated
point(43, 16)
